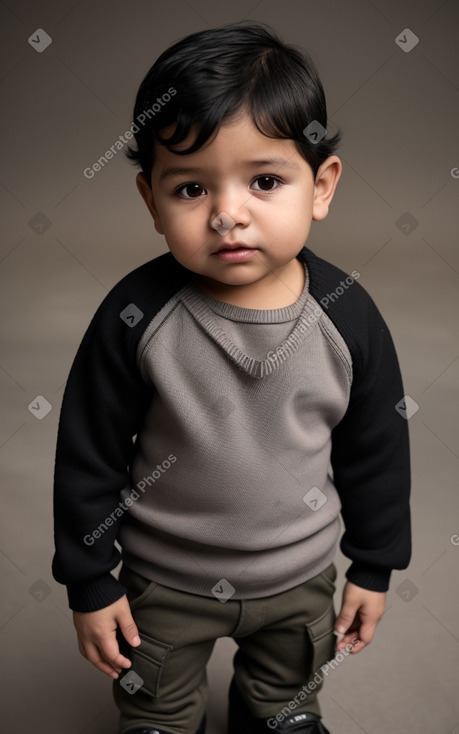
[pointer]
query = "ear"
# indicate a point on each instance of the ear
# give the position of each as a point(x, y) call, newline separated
point(147, 195)
point(324, 186)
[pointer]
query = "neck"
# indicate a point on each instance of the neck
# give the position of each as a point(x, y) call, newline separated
point(277, 289)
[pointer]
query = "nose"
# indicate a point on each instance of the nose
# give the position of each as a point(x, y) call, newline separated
point(228, 211)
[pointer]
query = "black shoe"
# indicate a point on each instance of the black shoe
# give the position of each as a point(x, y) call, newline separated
point(144, 730)
point(241, 721)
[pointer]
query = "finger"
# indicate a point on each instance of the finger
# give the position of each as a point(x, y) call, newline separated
point(360, 635)
point(367, 632)
point(91, 653)
point(110, 652)
point(350, 641)
point(358, 638)
point(346, 621)
point(128, 627)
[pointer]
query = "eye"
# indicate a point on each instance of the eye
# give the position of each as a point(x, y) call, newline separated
point(190, 191)
point(266, 183)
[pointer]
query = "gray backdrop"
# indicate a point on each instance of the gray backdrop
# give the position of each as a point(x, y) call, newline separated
point(67, 240)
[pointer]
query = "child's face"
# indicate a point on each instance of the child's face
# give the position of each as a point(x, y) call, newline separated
point(263, 185)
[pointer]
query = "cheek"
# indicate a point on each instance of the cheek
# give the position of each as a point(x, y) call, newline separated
point(293, 214)
point(185, 238)
point(186, 219)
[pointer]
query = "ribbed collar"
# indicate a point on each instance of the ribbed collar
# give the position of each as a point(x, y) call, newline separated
point(202, 307)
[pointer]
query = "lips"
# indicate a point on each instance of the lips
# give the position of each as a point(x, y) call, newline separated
point(233, 246)
point(234, 252)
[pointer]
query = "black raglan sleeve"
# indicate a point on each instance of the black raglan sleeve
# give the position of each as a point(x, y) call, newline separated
point(371, 466)
point(103, 408)
point(370, 446)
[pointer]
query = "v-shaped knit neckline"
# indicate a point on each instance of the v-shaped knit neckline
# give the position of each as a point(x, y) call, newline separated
point(203, 306)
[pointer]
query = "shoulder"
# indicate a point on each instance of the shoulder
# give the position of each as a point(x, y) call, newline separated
point(349, 306)
point(152, 283)
point(122, 317)
point(140, 294)
point(328, 283)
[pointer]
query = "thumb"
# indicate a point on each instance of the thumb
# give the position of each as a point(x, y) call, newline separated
point(127, 625)
point(345, 619)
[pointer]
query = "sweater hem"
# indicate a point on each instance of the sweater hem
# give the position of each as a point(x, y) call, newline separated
point(202, 586)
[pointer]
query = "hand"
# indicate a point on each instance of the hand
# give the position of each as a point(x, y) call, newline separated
point(97, 636)
point(360, 613)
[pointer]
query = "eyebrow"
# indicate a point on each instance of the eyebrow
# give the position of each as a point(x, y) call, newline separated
point(172, 171)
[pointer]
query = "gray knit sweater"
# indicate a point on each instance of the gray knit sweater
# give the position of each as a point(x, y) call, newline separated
point(245, 401)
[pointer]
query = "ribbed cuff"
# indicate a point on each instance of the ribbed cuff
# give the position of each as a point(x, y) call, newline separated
point(95, 594)
point(372, 578)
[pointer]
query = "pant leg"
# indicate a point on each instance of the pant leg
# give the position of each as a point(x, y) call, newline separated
point(178, 632)
point(276, 662)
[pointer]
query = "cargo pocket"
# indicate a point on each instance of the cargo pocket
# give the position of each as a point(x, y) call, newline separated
point(329, 577)
point(320, 633)
point(148, 661)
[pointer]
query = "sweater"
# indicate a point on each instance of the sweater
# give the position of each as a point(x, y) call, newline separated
point(251, 440)
point(253, 431)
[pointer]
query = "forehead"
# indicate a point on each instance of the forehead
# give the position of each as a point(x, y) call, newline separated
point(237, 142)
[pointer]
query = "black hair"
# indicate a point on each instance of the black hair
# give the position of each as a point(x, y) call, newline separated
point(208, 76)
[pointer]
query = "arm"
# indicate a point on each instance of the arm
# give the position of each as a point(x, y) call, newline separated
point(370, 454)
point(102, 410)
point(104, 404)
point(371, 465)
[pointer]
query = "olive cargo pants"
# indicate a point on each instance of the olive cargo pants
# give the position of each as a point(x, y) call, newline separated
point(282, 639)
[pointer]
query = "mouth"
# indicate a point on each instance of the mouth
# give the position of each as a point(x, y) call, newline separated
point(225, 246)
point(233, 252)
